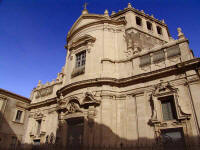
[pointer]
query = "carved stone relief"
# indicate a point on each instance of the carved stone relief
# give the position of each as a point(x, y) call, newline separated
point(44, 92)
point(84, 105)
point(161, 90)
point(134, 43)
point(137, 41)
point(73, 107)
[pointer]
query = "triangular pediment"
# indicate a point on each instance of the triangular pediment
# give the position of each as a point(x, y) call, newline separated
point(164, 88)
point(84, 20)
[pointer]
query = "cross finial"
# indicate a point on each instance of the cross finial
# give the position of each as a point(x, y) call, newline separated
point(85, 5)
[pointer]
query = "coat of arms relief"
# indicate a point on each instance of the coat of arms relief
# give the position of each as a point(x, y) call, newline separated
point(138, 42)
point(134, 43)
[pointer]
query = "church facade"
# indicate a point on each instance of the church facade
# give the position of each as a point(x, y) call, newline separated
point(125, 82)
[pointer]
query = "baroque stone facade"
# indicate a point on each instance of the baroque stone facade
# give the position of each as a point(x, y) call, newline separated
point(126, 81)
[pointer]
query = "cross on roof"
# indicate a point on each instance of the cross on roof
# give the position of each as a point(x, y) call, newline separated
point(85, 5)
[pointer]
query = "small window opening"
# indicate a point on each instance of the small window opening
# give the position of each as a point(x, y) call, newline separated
point(159, 30)
point(149, 25)
point(18, 116)
point(38, 126)
point(139, 21)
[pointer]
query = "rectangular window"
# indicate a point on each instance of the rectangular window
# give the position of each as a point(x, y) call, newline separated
point(80, 59)
point(38, 126)
point(173, 138)
point(80, 64)
point(18, 116)
point(138, 21)
point(149, 25)
point(168, 108)
point(159, 30)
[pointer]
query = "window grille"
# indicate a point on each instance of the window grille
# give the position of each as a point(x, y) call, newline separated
point(80, 59)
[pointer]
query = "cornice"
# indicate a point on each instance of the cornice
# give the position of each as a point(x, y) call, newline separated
point(13, 95)
point(176, 69)
point(109, 21)
point(138, 13)
point(86, 16)
point(83, 40)
point(43, 103)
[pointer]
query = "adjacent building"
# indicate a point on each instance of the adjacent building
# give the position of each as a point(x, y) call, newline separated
point(13, 119)
point(125, 82)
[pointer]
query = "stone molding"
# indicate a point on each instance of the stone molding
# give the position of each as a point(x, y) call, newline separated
point(101, 20)
point(43, 103)
point(188, 65)
point(83, 40)
point(139, 13)
point(78, 106)
point(86, 99)
point(5, 93)
point(161, 90)
point(44, 92)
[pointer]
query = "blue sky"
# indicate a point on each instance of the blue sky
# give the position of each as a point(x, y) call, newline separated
point(33, 33)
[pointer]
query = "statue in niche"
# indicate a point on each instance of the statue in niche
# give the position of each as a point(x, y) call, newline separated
point(152, 104)
point(134, 43)
point(52, 138)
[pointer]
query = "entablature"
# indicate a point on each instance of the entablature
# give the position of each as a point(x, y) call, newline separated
point(175, 69)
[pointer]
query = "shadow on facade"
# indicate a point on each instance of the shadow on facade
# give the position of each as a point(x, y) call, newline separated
point(8, 138)
point(84, 134)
